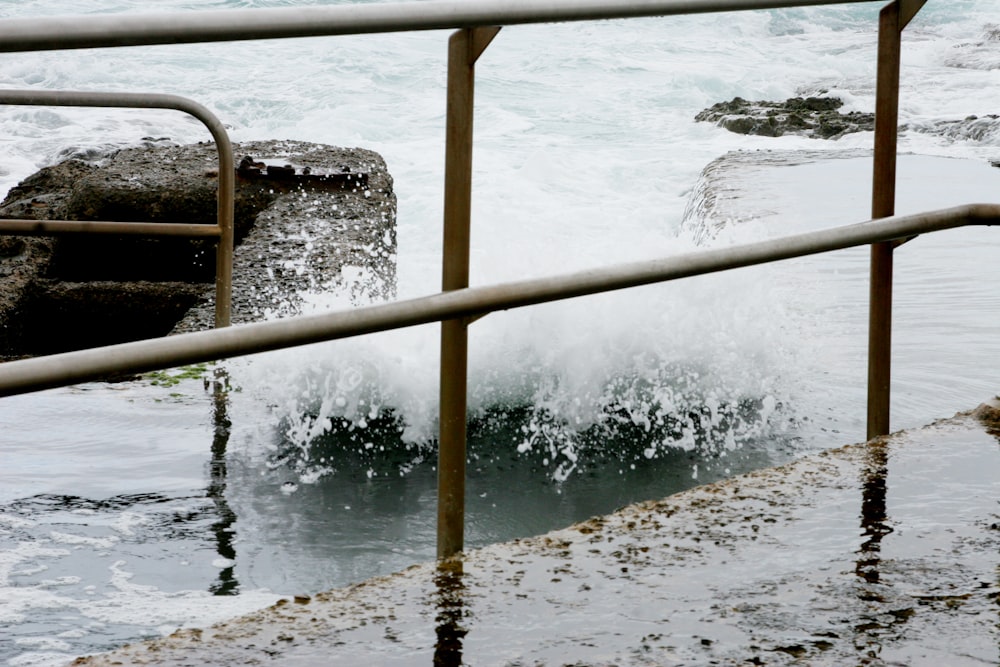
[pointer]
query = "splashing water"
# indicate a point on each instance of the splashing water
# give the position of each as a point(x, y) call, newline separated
point(584, 158)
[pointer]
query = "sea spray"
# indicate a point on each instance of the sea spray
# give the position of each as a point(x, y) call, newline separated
point(629, 376)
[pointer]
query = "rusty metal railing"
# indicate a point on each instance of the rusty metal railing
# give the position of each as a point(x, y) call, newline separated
point(477, 23)
point(222, 230)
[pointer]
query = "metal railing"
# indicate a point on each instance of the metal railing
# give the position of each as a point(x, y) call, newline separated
point(222, 230)
point(56, 370)
point(458, 305)
point(89, 32)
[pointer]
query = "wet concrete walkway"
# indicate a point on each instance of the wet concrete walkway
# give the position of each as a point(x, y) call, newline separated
point(885, 553)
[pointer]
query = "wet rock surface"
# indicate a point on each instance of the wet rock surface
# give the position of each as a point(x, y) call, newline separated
point(311, 237)
point(728, 184)
point(982, 54)
point(877, 553)
point(821, 118)
point(817, 117)
point(308, 217)
point(983, 130)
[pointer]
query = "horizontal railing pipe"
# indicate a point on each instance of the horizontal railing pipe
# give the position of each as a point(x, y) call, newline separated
point(82, 32)
point(58, 227)
point(68, 368)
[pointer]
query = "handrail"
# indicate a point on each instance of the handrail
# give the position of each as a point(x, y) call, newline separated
point(892, 20)
point(84, 32)
point(477, 24)
point(223, 228)
point(56, 370)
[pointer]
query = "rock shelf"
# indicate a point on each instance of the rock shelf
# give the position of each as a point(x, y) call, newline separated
point(309, 218)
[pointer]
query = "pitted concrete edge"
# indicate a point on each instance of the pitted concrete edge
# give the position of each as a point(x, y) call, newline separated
point(311, 239)
point(293, 238)
point(771, 567)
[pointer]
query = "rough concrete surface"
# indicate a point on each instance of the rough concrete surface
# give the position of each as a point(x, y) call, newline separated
point(884, 553)
point(307, 237)
point(297, 231)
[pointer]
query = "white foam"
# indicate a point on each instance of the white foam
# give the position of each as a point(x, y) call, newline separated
point(25, 552)
point(127, 521)
point(40, 659)
point(81, 540)
point(42, 643)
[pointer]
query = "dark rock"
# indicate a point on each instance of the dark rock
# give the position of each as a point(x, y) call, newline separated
point(978, 129)
point(310, 215)
point(23, 260)
point(809, 116)
point(103, 312)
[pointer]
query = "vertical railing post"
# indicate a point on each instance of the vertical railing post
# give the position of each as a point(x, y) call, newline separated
point(225, 214)
point(892, 20)
point(464, 48)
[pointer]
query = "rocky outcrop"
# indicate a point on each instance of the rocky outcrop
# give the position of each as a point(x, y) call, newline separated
point(820, 118)
point(984, 130)
point(308, 217)
point(816, 117)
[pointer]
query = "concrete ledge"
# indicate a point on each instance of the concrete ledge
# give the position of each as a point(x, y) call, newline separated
point(309, 234)
point(878, 553)
point(309, 217)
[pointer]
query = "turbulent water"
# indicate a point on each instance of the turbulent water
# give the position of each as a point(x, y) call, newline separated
point(127, 510)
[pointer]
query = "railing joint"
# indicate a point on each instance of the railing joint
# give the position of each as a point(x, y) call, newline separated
point(223, 229)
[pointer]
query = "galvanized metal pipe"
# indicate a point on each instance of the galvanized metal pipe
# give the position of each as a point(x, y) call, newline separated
point(464, 48)
point(59, 227)
point(892, 20)
point(83, 32)
point(226, 188)
point(58, 370)
point(455, 276)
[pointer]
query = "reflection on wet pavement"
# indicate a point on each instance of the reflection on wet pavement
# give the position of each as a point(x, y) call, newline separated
point(450, 604)
point(770, 568)
point(223, 528)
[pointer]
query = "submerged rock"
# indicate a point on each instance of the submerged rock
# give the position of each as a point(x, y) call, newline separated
point(983, 130)
point(982, 54)
point(309, 217)
point(816, 117)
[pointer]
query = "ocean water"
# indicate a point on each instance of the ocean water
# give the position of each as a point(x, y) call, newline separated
point(131, 509)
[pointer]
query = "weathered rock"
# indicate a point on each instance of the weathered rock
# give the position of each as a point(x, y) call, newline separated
point(311, 235)
point(816, 117)
point(104, 312)
point(298, 229)
point(974, 129)
point(23, 260)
